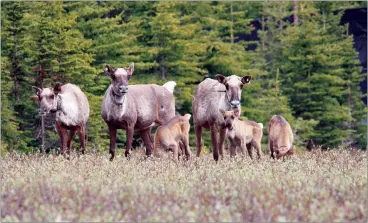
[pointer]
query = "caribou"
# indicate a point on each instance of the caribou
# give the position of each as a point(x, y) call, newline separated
point(72, 112)
point(280, 137)
point(173, 136)
point(243, 134)
point(135, 107)
point(210, 96)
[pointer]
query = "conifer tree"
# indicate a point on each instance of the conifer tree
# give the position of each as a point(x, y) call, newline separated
point(315, 77)
point(13, 33)
point(271, 97)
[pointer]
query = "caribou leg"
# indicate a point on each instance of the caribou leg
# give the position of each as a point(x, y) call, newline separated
point(129, 138)
point(198, 131)
point(82, 138)
point(147, 140)
point(215, 144)
point(63, 133)
point(232, 150)
point(257, 146)
point(184, 143)
point(221, 141)
point(72, 133)
point(250, 150)
point(112, 132)
point(176, 152)
point(270, 148)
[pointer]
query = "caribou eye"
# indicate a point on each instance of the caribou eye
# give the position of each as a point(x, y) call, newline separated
point(232, 117)
point(51, 96)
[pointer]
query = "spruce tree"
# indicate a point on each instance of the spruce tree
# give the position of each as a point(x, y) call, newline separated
point(271, 97)
point(317, 77)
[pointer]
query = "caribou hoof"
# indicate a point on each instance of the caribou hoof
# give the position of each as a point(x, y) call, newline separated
point(127, 154)
point(112, 155)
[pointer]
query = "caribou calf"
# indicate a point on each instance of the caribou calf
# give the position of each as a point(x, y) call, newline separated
point(173, 136)
point(242, 134)
point(280, 137)
point(72, 112)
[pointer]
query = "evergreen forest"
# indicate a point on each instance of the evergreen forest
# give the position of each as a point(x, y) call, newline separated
point(307, 70)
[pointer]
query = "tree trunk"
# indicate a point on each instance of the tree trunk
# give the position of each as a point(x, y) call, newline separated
point(324, 18)
point(41, 75)
point(42, 133)
point(349, 93)
point(277, 81)
point(280, 19)
point(15, 64)
point(232, 23)
point(295, 9)
point(163, 74)
point(308, 73)
point(263, 29)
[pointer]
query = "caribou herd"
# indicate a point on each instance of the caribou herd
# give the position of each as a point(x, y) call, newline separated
point(216, 106)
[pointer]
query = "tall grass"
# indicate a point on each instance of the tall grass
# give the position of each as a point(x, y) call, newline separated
point(320, 186)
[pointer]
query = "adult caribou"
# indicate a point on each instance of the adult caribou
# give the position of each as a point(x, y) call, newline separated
point(138, 109)
point(211, 96)
point(72, 112)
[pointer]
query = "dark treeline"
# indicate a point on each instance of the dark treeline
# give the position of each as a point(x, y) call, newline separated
point(307, 72)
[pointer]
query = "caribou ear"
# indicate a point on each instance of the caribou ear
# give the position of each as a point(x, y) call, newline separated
point(222, 112)
point(246, 79)
point(130, 70)
point(35, 98)
point(57, 88)
point(109, 71)
point(220, 78)
point(37, 90)
point(187, 116)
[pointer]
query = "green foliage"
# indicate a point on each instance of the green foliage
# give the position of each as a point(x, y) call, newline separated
point(11, 138)
point(307, 73)
point(320, 67)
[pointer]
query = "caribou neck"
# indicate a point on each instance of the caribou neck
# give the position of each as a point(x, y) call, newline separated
point(123, 106)
point(59, 105)
point(224, 103)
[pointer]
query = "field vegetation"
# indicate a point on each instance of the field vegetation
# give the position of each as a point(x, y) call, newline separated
point(318, 186)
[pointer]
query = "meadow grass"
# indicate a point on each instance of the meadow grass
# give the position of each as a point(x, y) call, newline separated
point(320, 186)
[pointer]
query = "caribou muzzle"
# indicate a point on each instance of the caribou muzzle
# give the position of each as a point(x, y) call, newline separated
point(282, 151)
point(123, 89)
point(229, 126)
point(235, 104)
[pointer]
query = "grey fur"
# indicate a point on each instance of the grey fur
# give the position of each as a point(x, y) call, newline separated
point(135, 107)
point(72, 112)
point(143, 106)
point(210, 96)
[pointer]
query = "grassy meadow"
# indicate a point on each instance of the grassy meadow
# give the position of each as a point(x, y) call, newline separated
point(321, 186)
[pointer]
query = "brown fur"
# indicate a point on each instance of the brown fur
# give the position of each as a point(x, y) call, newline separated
point(72, 112)
point(135, 107)
point(173, 136)
point(210, 96)
point(280, 137)
point(243, 134)
point(310, 145)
